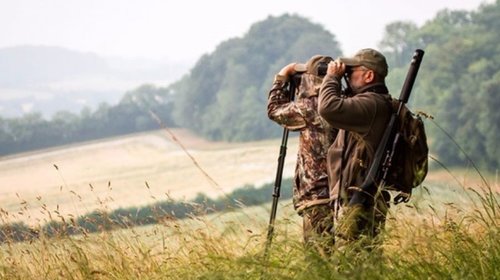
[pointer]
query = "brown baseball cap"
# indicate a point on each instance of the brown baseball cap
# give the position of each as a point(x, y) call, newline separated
point(311, 66)
point(370, 59)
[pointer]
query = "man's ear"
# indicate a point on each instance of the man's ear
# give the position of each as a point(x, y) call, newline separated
point(369, 76)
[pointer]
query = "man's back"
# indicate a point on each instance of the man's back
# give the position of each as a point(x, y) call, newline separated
point(316, 136)
point(362, 120)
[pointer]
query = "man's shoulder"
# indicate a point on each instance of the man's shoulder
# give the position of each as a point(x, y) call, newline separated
point(366, 96)
point(378, 102)
point(376, 97)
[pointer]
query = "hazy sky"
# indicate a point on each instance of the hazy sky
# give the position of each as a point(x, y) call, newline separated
point(186, 29)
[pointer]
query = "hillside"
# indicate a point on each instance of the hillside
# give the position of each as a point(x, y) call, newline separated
point(50, 79)
point(113, 173)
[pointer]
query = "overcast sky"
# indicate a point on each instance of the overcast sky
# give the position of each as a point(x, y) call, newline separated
point(186, 29)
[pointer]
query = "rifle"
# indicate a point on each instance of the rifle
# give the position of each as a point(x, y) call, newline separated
point(386, 148)
point(279, 172)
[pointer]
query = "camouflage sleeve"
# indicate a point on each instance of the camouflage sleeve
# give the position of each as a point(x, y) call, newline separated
point(283, 111)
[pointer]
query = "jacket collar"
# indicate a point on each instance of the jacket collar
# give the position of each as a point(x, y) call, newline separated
point(379, 88)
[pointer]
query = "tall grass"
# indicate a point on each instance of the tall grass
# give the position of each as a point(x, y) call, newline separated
point(430, 238)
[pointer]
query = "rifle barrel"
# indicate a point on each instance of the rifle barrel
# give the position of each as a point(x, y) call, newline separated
point(410, 77)
point(373, 178)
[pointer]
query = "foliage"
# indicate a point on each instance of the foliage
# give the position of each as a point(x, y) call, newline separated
point(457, 83)
point(131, 114)
point(224, 95)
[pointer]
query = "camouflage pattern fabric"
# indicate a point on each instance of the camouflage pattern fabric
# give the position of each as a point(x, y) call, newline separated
point(316, 136)
point(318, 229)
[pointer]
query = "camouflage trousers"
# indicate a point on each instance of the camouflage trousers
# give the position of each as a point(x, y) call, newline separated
point(318, 229)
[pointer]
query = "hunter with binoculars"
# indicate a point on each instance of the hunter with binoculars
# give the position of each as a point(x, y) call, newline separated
point(351, 142)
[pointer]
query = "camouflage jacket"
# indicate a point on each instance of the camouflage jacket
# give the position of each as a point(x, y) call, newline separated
point(315, 137)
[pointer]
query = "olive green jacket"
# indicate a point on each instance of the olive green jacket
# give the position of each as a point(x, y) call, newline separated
point(361, 120)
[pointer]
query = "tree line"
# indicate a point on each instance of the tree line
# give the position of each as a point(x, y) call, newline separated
point(131, 114)
point(223, 97)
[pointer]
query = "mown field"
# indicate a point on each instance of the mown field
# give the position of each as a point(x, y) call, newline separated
point(449, 230)
point(134, 170)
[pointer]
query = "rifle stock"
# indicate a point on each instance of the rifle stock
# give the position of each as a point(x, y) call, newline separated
point(385, 150)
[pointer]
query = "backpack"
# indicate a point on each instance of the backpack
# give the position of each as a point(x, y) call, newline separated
point(409, 164)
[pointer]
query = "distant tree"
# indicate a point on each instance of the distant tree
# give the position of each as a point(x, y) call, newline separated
point(397, 43)
point(65, 125)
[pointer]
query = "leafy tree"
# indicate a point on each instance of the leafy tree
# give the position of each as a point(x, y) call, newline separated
point(397, 44)
point(457, 83)
point(224, 95)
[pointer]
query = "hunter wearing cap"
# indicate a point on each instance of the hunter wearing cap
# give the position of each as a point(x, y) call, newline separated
point(311, 195)
point(361, 118)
